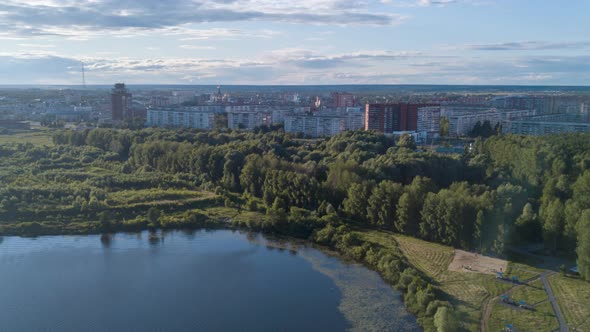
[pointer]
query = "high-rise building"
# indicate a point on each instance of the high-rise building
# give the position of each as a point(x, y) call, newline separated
point(429, 120)
point(342, 99)
point(388, 118)
point(121, 100)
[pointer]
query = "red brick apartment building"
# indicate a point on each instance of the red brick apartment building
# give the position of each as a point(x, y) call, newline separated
point(387, 118)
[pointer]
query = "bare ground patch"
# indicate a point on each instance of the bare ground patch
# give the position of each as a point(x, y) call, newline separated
point(464, 261)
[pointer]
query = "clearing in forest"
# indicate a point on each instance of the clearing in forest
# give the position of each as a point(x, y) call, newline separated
point(464, 261)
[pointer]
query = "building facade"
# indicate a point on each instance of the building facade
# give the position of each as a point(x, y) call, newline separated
point(342, 99)
point(355, 118)
point(547, 124)
point(200, 117)
point(121, 103)
point(387, 118)
point(314, 125)
point(429, 120)
point(248, 119)
point(462, 120)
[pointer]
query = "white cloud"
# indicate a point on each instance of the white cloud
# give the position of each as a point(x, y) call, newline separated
point(86, 18)
point(298, 66)
point(28, 45)
point(529, 45)
point(197, 47)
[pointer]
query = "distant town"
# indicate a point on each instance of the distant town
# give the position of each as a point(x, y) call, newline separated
point(426, 115)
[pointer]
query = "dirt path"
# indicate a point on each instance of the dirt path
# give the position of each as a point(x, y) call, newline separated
point(551, 297)
point(464, 261)
point(487, 312)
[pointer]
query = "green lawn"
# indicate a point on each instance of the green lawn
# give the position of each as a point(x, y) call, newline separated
point(533, 293)
point(541, 319)
point(37, 137)
point(154, 195)
point(573, 297)
point(522, 271)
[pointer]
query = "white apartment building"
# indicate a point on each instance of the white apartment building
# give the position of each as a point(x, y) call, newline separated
point(548, 124)
point(429, 120)
point(200, 117)
point(355, 118)
point(314, 125)
point(238, 108)
point(462, 120)
point(248, 119)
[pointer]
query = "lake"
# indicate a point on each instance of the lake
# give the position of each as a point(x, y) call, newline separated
point(188, 281)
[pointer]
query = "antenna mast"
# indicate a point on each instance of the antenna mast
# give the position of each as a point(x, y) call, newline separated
point(83, 75)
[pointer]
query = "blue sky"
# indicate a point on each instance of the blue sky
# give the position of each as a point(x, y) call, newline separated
point(538, 42)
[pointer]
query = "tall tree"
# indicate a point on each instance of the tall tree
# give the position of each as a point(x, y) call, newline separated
point(553, 224)
point(444, 127)
point(355, 204)
point(528, 227)
point(382, 203)
point(583, 249)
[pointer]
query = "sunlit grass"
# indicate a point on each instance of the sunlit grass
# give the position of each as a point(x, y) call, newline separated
point(573, 297)
point(466, 291)
point(541, 319)
point(37, 137)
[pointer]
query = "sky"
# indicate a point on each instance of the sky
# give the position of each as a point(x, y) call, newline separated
point(497, 42)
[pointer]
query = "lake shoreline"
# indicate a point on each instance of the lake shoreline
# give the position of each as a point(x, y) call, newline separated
point(225, 223)
point(169, 240)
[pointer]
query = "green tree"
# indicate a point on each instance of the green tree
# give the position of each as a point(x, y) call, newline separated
point(444, 320)
point(444, 127)
point(382, 203)
point(410, 203)
point(553, 224)
point(583, 249)
point(153, 217)
point(252, 175)
point(278, 211)
point(234, 161)
point(403, 217)
point(406, 141)
point(477, 234)
point(355, 204)
point(528, 227)
point(104, 218)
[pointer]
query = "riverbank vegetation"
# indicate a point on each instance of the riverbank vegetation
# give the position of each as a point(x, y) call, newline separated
point(358, 192)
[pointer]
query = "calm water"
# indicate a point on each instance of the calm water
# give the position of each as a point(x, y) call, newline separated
point(198, 281)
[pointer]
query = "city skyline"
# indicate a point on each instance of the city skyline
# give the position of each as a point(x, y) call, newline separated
point(279, 42)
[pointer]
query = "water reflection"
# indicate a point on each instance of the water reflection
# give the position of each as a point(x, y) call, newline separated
point(154, 238)
point(195, 280)
point(189, 233)
point(106, 239)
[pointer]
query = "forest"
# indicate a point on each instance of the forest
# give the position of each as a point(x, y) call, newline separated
point(502, 191)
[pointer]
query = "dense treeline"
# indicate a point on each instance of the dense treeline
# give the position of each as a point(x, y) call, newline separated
point(503, 191)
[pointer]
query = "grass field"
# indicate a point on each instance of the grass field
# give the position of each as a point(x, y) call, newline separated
point(533, 293)
point(522, 271)
point(466, 291)
point(154, 195)
point(541, 319)
point(573, 296)
point(37, 137)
